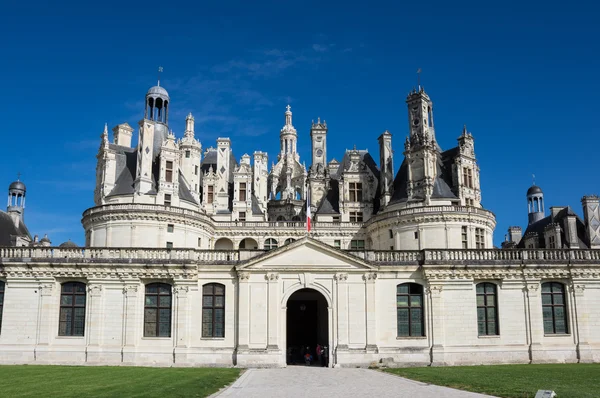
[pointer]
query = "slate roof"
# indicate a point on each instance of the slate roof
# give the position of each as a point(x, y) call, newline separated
point(8, 229)
point(442, 186)
point(331, 203)
point(561, 219)
point(126, 159)
point(184, 192)
point(255, 206)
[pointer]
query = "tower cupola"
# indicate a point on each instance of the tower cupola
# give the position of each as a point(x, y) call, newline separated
point(16, 200)
point(535, 203)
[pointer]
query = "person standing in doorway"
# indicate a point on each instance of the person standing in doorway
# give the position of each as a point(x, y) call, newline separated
point(319, 353)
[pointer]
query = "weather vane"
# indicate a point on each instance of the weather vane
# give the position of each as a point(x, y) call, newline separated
point(19, 176)
point(160, 69)
point(533, 178)
point(419, 77)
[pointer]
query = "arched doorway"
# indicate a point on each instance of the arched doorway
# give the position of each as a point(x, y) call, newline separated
point(224, 244)
point(307, 326)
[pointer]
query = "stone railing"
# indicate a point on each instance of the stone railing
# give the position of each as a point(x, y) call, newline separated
point(409, 211)
point(398, 257)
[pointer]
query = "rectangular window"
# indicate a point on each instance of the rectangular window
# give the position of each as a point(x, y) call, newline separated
point(552, 242)
point(468, 177)
point(465, 237)
point(209, 194)
point(169, 171)
point(187, 154)
point(391, 247)
point(213, 310)
point(356, 216)
point(167, 199)
point(357, 244)
point(336, 218)
point(416, 234)
point(242, 216)
point(2, 287)
point(169, 245)
point(355, 192)
point(72, 309)
point(479, 238)
point(409, 307)
point(199, 242)
point(170, 227)
point(157, 310)
point(196, 170)
point(391, 234)
point(242, 191)
point(337, 243)
point(487, 312)
point(554, 308)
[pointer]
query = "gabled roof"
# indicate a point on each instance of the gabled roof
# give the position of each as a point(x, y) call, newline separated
point(313, 253)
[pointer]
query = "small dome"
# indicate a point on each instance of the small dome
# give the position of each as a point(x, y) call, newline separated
point(68, 243)
point(157, 91)
point(17, 185)
point(45, 239)
point(534, 189)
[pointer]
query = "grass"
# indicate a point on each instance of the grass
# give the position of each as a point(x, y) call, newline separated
point(518, 381)
point(106, 381)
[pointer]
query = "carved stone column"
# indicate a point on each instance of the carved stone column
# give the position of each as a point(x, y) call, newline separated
point(46, 305)
point(131, 315)
point(435, 318)
point(580, 323)
point(342, 311)
point(95, 315)
point(370, 309)
point(182, 316)
point(244, 311)
point(273, 311)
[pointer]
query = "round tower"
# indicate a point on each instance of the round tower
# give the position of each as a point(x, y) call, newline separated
point(157, 110)
point(535, 204)
point(16, 198)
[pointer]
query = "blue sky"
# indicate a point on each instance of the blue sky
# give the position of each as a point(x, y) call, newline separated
point(522, 77)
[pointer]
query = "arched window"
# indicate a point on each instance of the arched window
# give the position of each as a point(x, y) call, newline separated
point(487, 309)
point(72, 309)
point(213, 310)
point(157, 310)
point(270, 244)
point(280, 218)
point(2, 287)
point(554, 308)
point(409, 305)
point(288, 241)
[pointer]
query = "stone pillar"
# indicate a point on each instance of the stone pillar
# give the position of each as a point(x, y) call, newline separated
point(94, 324)
point(131, 320)
point(273, 311)
point(342, 312)
point(435, 319)
point(580, 322)
point(244, 311)
point(370, 309)
point(182, 316)
point(46, 310)
point(535, 320)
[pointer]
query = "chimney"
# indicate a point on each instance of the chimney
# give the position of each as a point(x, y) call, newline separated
point(552, 236)
point(591, 216)
point(122, 135)
point(514, 234)
point(571, 231)
point(554, 210)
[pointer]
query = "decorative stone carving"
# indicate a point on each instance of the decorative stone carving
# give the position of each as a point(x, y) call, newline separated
point(341, 277)
point(273, 277)
point(244, 276)
point(434, 290)
point(130, 290)
point(577, 289)
point(46, 289)
point(370, 277)
point(95, 290)
point(181, 291)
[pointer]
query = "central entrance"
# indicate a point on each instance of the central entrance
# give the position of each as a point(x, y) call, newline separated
point(307, 328)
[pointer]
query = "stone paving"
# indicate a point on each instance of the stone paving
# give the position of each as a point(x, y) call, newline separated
point(300, 381)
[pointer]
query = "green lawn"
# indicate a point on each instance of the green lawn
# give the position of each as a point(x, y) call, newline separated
point(518, 381)
point(111, 381)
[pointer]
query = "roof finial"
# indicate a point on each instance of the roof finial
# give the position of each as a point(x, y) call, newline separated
point(160, 69)
point(288, 108)
point(19, 176)
point(533, 178)
point(419, 79)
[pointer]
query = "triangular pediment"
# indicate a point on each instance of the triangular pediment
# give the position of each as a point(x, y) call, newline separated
point(307, 253)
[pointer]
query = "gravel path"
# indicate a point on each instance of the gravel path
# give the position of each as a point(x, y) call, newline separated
point(300, 381)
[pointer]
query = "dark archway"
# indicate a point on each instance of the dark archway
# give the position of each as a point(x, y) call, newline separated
point(307, 326)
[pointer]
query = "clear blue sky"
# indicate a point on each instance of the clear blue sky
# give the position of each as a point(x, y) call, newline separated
point(523, 76)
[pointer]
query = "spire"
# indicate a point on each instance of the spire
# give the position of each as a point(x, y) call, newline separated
point(288, 115)
point(464, 132)
point(104, 136)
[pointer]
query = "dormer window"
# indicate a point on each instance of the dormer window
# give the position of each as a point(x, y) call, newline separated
point(169, 171)
point(355, 192)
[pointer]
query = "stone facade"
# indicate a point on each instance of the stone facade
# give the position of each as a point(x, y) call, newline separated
point(359, 321)
point(195, 259)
